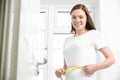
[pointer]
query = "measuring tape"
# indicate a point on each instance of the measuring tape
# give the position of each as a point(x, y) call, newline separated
point(70, 68)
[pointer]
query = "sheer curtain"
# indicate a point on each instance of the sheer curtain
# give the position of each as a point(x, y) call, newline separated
point(8, 52)
point(3, 26)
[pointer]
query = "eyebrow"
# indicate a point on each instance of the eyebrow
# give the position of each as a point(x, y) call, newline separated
point(77, 15)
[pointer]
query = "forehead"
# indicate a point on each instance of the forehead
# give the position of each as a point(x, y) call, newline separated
point(78, 12)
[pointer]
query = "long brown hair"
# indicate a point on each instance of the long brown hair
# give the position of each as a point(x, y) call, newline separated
point(89, 24)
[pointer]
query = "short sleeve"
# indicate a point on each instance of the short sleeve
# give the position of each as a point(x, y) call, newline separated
point(99, 40)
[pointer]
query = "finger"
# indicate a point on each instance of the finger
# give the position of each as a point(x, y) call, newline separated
point(84, 67)
point(58, 75)
point(64, 71)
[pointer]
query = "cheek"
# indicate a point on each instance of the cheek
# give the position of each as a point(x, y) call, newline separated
point(84, 21)
point(72, 21)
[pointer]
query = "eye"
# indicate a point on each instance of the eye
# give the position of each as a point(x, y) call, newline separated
point(73, 17)
point(81, 17)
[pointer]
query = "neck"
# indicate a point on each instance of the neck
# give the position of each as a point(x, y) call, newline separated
point(79, 32)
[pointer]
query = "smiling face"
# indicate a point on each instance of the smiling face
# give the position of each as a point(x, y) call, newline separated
point(79, 19)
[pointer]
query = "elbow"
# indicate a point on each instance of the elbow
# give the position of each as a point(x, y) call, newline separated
point(112, 61)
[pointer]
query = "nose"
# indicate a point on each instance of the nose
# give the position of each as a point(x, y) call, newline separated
point(77, 19)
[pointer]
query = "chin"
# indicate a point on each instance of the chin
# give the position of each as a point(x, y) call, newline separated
point(78, 27)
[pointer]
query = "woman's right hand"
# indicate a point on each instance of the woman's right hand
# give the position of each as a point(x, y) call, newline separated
point(59, 72)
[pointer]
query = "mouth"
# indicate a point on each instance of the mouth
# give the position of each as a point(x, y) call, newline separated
point(78, 25)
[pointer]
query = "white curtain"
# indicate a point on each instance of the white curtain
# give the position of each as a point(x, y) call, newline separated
point(8, 60)
point(4, 11)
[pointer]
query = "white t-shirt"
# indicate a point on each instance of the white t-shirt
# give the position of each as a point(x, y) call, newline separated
point(82, 50)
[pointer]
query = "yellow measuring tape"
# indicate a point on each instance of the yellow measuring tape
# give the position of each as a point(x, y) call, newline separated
point(70, 68)
point(74, 67)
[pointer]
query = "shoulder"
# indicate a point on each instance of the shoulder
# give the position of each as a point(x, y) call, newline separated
point(69, 38)
point(99, 39)
point(96, 33)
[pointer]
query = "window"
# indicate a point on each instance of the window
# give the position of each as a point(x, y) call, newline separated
point(62, 20)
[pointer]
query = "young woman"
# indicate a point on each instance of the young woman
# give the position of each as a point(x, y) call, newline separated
point(80, 50)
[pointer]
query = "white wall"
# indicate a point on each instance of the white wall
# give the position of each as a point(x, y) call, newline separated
point(110, 19)
point(69, 2)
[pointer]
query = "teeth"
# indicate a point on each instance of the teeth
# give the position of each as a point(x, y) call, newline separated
point(79, 24)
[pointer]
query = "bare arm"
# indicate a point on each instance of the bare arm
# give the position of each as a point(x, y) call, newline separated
point(109, 60)
point(65, 66)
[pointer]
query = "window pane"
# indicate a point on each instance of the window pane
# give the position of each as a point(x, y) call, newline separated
point(34, 19)
point(63, 19)
point(43, 19)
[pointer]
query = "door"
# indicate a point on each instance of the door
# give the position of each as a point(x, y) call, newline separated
point(32, 54)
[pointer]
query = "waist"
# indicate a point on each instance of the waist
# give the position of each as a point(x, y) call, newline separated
point(70, 68)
